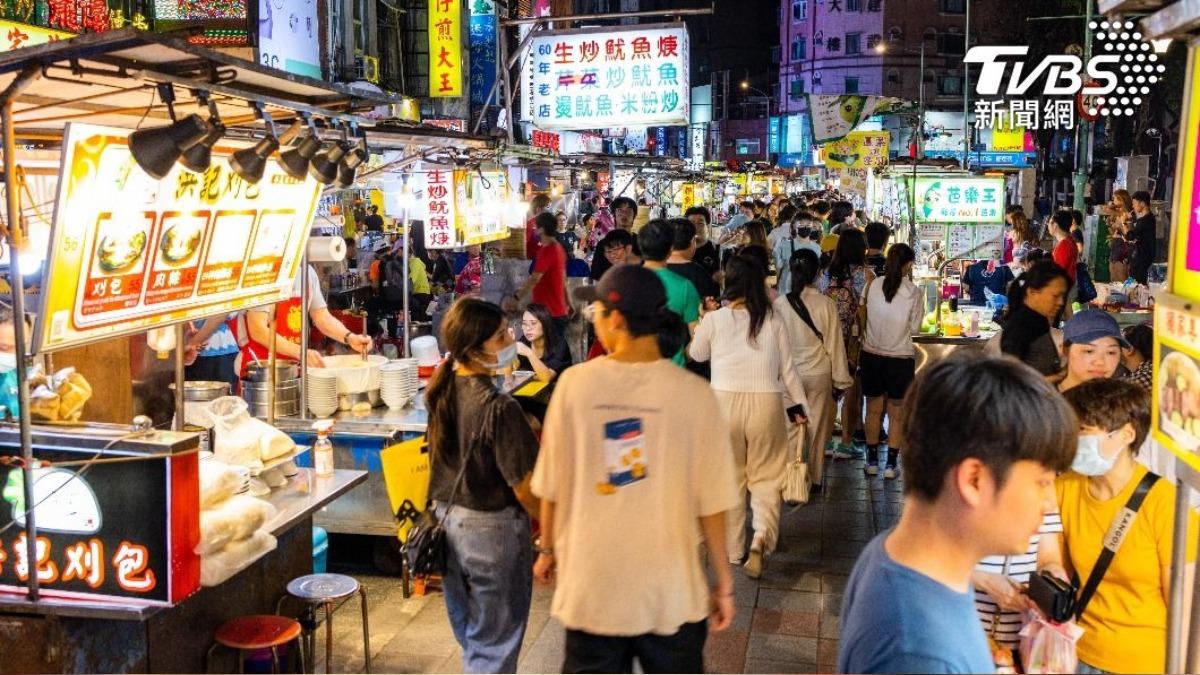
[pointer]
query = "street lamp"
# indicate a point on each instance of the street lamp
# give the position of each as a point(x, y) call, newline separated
point(919, 136)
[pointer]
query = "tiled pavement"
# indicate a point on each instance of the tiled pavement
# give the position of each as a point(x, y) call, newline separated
point(787, 621)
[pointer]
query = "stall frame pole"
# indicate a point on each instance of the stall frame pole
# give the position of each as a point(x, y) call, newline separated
point(271, 359)
point(1179, 539)
point(13, 198)
point(505, 76)
point(180, 377)
point(305, 334)
point(407, 243)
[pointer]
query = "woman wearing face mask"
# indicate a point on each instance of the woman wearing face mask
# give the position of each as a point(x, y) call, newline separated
point(482, 454)
point(1124, 620)
point(1035, 301)
point(1092, 344)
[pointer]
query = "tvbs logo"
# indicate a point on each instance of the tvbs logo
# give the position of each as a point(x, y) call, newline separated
point(1113, 79)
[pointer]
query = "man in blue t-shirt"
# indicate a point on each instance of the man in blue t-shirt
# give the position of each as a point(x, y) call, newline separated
point(975, 488)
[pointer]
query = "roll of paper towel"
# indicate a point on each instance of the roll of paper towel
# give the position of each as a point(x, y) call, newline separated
point(326, 249)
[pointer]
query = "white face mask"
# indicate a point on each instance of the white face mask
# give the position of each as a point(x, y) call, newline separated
point(8, 361)
point(1089, 459)
point(504, 358)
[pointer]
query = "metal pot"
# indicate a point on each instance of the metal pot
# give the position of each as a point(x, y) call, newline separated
point(202, 390)
point(257, 392)
point(284, 370)
point(282, 409)
point(346, 402)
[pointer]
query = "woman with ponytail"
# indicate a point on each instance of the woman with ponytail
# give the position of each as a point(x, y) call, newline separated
point(815, 334)
point(888, 364)
point(752, 370)
point(482, 454)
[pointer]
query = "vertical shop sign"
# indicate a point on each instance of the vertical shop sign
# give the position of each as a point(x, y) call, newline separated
point(595, 78)
point(482, 42)
point(774, 135)
point(445, 48)
point(439, 199)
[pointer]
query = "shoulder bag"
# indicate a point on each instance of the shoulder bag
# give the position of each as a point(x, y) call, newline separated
point(795, 480)
point(802, 311)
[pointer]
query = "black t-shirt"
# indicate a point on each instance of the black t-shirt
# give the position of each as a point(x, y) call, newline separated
point(876, 262)
point(374, 222)
point(491, 430)
point(700, 278)
point(1027, 336)
point(708, 258)
point(1145, 232)
point(557, 356)
point(976, 278)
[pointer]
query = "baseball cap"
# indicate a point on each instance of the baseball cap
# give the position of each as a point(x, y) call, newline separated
point(632, 290)
point(1091, 325)
point(381, 245)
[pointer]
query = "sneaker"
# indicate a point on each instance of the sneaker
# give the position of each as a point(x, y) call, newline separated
point(830, 447)
point(754, 561)
point(889, 473)
point(846, 452)
point(872, 469)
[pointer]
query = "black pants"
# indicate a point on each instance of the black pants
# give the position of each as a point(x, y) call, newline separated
point(682, 652)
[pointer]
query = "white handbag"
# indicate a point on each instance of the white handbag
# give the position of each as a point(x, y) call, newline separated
point(795, 478)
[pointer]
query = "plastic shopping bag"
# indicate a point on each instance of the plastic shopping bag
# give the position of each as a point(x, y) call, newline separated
point(406, 476)
point(1048, 647)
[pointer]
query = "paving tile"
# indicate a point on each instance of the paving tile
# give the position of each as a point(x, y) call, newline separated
point(783, 622)
point(792, 601)
point(847, 549)
point(827, 651)
point(772, 666)
point(791, 574)
point(782, 648)
point(405, 662)
point(831, 604)
point(725, 652)
point(831, 627)
point(834, 583)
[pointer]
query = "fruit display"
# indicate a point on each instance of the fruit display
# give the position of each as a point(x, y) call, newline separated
point(1179, 397)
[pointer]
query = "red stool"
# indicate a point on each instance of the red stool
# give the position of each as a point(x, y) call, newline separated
point(254, 632)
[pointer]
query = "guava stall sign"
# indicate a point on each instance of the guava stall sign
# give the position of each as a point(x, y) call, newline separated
point(966, 199)
point(128, 252)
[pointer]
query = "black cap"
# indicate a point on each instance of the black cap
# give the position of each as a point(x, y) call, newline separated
point(632, 290)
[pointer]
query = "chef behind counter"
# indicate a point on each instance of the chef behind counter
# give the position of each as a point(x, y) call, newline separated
point(255, 327)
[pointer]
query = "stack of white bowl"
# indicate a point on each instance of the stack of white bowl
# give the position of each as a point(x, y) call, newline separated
point(322, 392)
point(398, 382)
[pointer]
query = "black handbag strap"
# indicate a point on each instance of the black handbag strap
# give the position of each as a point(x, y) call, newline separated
point(1120, 527)
point(798, 305)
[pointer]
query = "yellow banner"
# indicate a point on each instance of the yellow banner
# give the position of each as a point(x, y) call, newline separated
point(689, 195)
point(129, 252)
point(445, 48)
point(1184, 255)
point(1175, 398)
point(15, 35)
point(858, 150)
point(1007, 138)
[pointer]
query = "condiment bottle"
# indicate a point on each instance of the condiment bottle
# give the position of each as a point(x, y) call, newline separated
point(323, 448)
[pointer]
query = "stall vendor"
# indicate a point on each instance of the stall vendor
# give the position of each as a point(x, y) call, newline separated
point(986, 274)
point(288, 316)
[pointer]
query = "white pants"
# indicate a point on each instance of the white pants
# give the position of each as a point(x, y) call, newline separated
point(821, 409)
point(758, 431)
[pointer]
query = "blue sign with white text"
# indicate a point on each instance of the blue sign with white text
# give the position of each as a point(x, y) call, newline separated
point(482, 44)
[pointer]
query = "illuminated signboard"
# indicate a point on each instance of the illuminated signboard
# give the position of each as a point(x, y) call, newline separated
point(601, 77)
point(225, 22)
point(130, 253)
point(482, 40)
point(445, 48)
point(289, 36)
point(16, 35)
point(966, 199)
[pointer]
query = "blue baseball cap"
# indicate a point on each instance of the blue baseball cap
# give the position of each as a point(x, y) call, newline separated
point(1091, 325)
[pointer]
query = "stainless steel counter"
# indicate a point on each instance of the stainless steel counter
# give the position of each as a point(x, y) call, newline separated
point(934, 348)
point(306, 493)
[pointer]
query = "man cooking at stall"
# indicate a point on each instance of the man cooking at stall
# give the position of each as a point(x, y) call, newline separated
point(288, 316)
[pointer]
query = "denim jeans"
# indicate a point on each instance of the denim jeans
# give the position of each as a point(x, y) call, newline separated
point(1085, 669)
point(488, 584)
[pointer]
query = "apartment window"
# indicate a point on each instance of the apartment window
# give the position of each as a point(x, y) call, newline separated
point(952, 6)
point(853, 5)
point(853, 43)
point(950, 85)
point(851, 85)
point(893, 76)
point(950, 43)
point(799, 49)
point(799, 10)
point(748, 146)
point(797, 89)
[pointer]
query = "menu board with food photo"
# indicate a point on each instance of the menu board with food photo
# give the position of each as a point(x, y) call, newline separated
point(130, 252)
point(1176, 399)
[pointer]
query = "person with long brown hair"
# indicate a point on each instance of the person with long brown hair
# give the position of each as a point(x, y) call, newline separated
point(844, 280)
point(1023, 237)
point(482, 455)
point(1120, 219)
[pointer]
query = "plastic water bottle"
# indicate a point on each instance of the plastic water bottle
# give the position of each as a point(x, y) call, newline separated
point(323, 448)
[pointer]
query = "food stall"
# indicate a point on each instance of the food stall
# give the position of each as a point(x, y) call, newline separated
point(109, 557)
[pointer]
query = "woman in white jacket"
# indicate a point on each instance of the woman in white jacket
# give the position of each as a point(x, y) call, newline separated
point(818, 352)
point(888, 363)
point(752, 370)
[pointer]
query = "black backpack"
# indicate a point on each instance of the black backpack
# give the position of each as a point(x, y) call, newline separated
point(394, 281)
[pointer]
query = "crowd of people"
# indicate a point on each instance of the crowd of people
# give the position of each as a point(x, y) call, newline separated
point(790, 320)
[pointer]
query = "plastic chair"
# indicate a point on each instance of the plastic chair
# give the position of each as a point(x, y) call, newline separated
point(254, 632)
point(330, 591)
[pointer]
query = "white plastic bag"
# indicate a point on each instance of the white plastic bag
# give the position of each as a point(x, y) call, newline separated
point(220, 566)
point(236, 519)
point(236, 438)
point(1047, 647)
point(218, 482)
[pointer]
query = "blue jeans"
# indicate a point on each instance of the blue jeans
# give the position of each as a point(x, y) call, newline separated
point(1085, 669)
point(488, 584)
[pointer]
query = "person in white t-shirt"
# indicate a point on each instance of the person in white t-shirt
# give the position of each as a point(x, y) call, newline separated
point(631, 484)
point(888, 364)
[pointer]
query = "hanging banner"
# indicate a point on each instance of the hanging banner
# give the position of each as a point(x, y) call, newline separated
point(608, 77)
point(832, 117)
point(485, 198)
point(439, 200)
point(965, 199)
point(130, 253)
point(1175, 401)
point(858, 150)
point(16, 35)
point(289, 38)
point(1184, 258)
point(481, 31)
point(445, 48)
point(1007, 138)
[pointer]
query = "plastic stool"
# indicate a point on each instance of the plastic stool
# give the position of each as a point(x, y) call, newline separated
point(254, 632)
point(326, 590)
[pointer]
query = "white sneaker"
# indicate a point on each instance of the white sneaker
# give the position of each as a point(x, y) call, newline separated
point(872, 469)
point(889, 472)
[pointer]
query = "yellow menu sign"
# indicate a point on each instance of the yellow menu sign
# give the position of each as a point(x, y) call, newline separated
point(129, 253)
point(445, 48)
